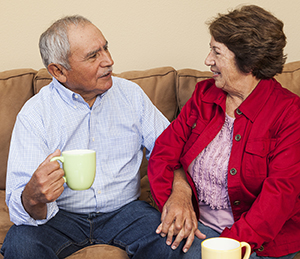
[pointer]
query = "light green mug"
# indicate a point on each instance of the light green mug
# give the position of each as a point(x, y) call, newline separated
point(224, 248)
point(79, 167)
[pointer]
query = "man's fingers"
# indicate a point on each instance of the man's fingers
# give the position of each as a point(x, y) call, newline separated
point(47, 160)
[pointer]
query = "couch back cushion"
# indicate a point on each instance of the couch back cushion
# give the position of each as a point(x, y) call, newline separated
point(186, 82)
point(15, 89)
point(290, 77)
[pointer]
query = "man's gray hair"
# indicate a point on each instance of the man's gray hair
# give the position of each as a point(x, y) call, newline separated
point(54, 42)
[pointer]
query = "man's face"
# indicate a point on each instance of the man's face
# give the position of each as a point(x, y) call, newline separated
point(90, 61)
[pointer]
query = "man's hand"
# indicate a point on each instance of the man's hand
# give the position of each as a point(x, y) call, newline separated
point(45, 185)
point(178, 216)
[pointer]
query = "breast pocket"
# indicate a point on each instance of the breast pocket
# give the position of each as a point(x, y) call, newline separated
point(256, 158)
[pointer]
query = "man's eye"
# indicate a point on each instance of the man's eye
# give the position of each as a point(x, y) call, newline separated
point(94, 56)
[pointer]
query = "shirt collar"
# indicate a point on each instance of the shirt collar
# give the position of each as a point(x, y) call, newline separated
point(71, 97)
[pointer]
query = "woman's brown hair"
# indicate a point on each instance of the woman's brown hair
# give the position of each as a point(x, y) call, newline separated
point(256, 38)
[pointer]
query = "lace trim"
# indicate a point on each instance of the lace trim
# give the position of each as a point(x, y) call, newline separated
point(210, 167)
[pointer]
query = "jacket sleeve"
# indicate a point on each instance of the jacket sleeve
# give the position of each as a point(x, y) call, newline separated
point(165, 157)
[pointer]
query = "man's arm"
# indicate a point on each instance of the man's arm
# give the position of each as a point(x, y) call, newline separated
point(178, 216)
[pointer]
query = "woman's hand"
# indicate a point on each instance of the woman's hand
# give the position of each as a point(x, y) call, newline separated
point(178, 216)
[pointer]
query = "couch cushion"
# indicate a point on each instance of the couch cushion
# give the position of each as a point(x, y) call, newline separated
point(290, 77)
point(100, 251)
point(41, 79)
point(159, 85)
point(186, 82)
point(15, 89)
point(5, 223)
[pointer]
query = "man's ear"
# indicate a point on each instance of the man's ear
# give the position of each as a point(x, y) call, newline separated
point(58, 71)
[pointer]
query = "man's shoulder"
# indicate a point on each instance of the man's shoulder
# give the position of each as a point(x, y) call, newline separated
point(123, 82)
point(40, 99)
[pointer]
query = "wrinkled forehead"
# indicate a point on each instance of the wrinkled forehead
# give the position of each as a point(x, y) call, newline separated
point(85, 38)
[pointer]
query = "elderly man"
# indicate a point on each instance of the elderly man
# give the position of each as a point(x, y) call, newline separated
point(84, 107)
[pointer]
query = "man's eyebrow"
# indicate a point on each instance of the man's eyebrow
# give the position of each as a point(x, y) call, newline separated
point(93, 52)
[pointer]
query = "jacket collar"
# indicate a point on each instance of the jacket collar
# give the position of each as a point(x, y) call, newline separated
point(251, 106)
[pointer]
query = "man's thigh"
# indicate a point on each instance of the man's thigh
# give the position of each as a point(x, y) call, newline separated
point(133, 228)
point(59, 237)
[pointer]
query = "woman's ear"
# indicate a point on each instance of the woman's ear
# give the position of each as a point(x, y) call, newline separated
point(58, 72)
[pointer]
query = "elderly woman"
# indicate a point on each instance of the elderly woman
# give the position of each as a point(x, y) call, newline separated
point(238, 141)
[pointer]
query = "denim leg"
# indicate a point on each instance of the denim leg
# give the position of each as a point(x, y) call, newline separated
point(133, 228)
point(59, 237)
point(290, 256)
point(195, 250)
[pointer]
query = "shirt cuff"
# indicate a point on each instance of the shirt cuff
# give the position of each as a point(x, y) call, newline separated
point(18, 214)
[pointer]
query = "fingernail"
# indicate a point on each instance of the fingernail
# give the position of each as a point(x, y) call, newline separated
point(173, 247)
point(185, 250)
point(168, 243)
point(163, 234)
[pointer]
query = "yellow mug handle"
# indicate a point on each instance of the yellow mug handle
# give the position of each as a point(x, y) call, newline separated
point(248, 250)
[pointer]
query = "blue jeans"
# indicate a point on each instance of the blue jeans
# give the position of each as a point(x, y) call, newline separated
point(131, 228)
point(195, 250)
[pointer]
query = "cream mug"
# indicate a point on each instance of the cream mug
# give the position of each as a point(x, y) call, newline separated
point(79, 167)
point(224, 248)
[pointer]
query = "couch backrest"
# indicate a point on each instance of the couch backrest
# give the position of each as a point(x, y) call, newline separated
point(16, 87)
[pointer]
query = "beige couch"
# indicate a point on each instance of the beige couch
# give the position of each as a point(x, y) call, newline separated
point(167, 88)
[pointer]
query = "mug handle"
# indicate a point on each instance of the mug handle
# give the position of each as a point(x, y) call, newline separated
point(61, 159)
point(248, 250)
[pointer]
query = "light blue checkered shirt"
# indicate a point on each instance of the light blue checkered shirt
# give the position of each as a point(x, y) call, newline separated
point(120, 124)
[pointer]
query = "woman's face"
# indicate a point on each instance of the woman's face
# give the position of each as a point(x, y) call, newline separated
point(222, 63)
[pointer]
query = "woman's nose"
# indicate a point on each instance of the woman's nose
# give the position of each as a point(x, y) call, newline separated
point(209, 60)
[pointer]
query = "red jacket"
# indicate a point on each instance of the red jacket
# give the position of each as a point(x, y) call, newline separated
point(264, 165)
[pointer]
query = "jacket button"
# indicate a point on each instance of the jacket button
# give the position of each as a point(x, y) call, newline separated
point(236, 203)
point(261, 249)
point(194, 125)
point(238, 137)
point(233, 171)
point(238, 111)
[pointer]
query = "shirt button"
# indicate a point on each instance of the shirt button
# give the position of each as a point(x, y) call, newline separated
point(238, 111)
point(233, 171)
point(236, 203)
point(99, 192)
point(238, 137)
point(93, 139)
point(76, 96)
point(194, 125)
